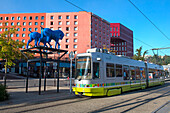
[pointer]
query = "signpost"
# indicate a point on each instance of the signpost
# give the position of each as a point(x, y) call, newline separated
point(71, 56)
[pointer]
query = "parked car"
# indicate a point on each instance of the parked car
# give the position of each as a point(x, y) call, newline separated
point(3, 70)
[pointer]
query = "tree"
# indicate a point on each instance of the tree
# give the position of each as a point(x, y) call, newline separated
point(138, 55)
point(9, 48)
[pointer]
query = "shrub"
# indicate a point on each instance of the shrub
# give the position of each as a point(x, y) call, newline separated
point(3, 93)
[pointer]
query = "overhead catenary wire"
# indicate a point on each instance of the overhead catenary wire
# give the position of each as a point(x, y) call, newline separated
point(149, 20)
point(87, 11)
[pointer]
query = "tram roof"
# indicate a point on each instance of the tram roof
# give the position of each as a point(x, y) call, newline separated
point(110, 58)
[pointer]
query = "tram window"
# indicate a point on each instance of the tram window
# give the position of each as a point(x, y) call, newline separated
point(132, 72)
point(142, 72)
point(96, 70)
point(157, 74)
point(110, 70)
point(152, 73)
point(137, 73)
point(118, 70)
point(83, 66)
point(126, 72)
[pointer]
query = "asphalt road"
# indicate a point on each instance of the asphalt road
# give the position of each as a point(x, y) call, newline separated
point(139, 101)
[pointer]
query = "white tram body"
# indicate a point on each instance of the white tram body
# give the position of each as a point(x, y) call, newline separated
point(105, 74)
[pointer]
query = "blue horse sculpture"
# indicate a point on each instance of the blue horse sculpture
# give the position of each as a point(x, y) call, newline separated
point(36, 37)
point(49, 35)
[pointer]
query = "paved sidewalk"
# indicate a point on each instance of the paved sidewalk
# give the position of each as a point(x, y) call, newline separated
point(18, 96)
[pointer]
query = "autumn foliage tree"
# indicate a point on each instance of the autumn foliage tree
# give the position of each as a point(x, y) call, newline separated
point(9, 48)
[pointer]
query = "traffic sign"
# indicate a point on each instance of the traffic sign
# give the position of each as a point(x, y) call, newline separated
point(71, 55)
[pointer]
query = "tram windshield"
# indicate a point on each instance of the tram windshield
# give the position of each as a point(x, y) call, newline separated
point(83, 68)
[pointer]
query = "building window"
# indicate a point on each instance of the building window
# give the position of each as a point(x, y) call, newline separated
point(0, 24)
point(67, 23)
point(75, 52)
point(75, 22)
point(42, 23)
point(75, 28)
point(75, 34)
point(117, 34)
point(23, 47)
point(36, 29)
point(59, 17)
point(23, 40)
point(6, 18)
point(6, 29)
point(125, 43)
point(52, 17)
point(1, 18)
point(114, 34)
point(67, 40)
point(51, 28)
point(6, 23)
point(75, 40)
point(17, 40)
point(18, 29)
point(75, 17)
point(12, 23)
point(125, 48)
point(36, 17)
point(116, 28)
point(110, 34)
point(30, 18)
point(12, 18)
point(42, 17)
point(51, 23)
point(29, 29)
point(59, 23)
point(75, 46)
point(12, 35)
point(24, 23)
point(0, 29)
point(36, 23)
point(17, 35)
point(110, 29)
point(30, 23)
point(67, 28)
point(24, 18)
point(122, 48)
point(23, 29)
point(67, 17)
point(59, 28)
point(67, 34)
point(23, 35)
point(67, 46)
point(18, 18)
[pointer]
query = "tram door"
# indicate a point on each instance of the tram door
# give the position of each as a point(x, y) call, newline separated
point(135, 78)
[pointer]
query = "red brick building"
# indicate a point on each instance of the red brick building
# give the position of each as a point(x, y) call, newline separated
point(83, 30)
point(121, 39)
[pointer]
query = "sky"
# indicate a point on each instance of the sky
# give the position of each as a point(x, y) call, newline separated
point(114, 11)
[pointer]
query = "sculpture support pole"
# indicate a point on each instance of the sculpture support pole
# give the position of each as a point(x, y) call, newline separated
point(45, 74)
point(27, 77)
point(58, 63)
point(40, 72)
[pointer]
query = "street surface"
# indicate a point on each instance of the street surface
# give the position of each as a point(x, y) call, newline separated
point(155, 99)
